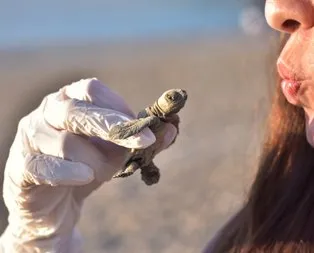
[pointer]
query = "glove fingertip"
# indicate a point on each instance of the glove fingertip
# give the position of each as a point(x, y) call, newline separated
point(82, 174)
point(144, 139)
point(141, 140)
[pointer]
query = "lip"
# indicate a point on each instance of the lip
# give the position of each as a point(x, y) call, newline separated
point(287, 74)
point(290, 83)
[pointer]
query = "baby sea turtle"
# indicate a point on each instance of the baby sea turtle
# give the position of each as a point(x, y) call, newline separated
point(163, 111)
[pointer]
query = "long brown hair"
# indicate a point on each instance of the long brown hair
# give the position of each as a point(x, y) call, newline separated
point(278, 215)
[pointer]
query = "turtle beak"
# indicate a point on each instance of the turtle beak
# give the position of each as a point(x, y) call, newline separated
point(184, 94)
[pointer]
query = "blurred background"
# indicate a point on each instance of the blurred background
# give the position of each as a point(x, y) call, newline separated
point(221, 52)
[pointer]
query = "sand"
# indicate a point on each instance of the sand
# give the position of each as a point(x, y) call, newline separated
point(205, 175)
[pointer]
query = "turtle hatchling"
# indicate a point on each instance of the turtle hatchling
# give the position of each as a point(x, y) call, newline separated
point(163, 111)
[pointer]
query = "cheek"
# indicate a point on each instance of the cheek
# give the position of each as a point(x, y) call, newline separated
point(306, 95)
point(307, 60)
point(162, 103)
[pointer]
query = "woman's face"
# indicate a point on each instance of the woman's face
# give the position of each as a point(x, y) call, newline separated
point(296, 61)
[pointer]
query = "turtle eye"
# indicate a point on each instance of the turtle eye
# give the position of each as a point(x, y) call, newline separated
point(170, 97)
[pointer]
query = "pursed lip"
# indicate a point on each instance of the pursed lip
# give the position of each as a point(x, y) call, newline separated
point(290, 83)
point(287, 74)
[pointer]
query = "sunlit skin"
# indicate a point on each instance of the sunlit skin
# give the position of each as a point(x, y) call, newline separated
point(296, 61)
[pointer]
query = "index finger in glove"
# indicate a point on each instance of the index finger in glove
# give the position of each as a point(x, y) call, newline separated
point(93, 91)
point(84, 118)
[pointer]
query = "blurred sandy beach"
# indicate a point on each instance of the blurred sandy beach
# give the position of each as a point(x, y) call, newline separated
point(204, 176)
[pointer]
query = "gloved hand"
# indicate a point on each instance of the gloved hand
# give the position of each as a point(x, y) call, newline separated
point(61, 153)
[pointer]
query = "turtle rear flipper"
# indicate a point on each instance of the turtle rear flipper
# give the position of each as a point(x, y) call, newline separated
point(127, 129)
point(150, 174)
point(128, 171)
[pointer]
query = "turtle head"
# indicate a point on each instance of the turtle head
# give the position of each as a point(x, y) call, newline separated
point(172, 101)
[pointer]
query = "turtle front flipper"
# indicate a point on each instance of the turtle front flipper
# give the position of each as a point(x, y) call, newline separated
point(150, 174)
point(127, 129)
point(128, 171)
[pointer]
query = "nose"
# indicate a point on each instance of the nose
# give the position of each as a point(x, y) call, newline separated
point(289, 15)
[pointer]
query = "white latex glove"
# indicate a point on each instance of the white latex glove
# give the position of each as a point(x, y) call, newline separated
point(61, 153)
